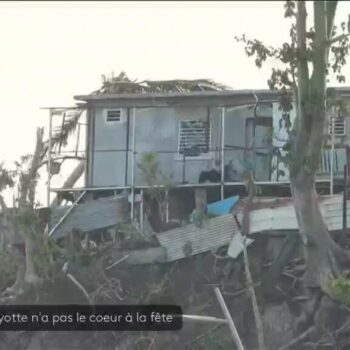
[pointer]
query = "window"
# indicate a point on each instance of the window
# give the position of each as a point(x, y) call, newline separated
point(339, 126)
point(113, 115)
point(194, 137)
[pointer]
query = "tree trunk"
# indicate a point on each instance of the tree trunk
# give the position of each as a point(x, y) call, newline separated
point(70, 182)
point(319, 249)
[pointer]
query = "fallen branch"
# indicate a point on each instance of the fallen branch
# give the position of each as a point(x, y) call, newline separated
point(241, 291)
point(78, 284)
point(117, 262)
point(298, 339)
point(202, 335)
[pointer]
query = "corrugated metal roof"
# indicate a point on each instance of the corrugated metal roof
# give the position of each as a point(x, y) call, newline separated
point(91, 215)
point(191, 240)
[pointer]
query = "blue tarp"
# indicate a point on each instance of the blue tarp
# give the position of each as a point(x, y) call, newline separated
point(222, 207)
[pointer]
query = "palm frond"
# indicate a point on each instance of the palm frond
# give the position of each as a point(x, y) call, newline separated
point(61, 134)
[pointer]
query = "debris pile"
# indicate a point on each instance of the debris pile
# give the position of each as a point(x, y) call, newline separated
point(121, 84)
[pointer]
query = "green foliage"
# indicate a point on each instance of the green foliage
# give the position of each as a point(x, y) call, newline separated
point(151, 171)
point(159, 183)
point(340, 290)
point(289, 55)
point(198, 218)
point(44, 257)
point(297, 55)
point(6, 178)
point(26, 218)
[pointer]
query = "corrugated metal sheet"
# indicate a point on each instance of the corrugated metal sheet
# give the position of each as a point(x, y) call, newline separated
point(192, 240)
point(90, 216)
point(223, 230)
point(283, 217)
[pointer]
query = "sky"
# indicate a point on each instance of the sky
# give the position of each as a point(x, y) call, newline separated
point(51, 51)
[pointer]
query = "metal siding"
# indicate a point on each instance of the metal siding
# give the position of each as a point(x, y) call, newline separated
point(157, 131)
point(109, 167)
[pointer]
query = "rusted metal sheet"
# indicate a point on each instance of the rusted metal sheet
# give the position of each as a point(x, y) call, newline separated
point(191, 240)
point(90, 216)
point(272, 217)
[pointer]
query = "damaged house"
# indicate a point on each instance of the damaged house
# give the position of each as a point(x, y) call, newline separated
point(196, 134)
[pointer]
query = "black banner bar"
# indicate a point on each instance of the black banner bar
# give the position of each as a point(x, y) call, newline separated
point(90, 318)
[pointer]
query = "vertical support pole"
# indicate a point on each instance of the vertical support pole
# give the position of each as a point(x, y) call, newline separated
point(133, 164)
point(200, 194)
point(184, 167)
point(166, 205)
point(223, 110)
point(332, 152)
point(49, 160)
point(78, 139)
point(235, 336)
point(345, 197)
point(141, 210)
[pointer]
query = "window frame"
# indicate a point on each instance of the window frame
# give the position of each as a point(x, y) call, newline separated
point(201, 156)
point(107, 110)
point(337, 120)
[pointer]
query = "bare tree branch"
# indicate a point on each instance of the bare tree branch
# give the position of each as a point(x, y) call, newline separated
point(71, 180)
point(337, 38)
point(3, 205)
point(28, 179)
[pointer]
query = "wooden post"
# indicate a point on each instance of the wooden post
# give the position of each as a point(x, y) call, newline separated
point(200, 194)
point(141, 210)
point(332, 152)
point(133, 165)
point(223, 153)
point(166, 205)
point(345, 197)
point(184, 167)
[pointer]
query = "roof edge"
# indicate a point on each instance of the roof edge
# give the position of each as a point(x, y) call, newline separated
point(344, 91)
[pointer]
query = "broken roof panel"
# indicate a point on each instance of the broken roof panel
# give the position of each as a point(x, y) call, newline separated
point(279, 214)
point(121, 87)
point(191, 240)
point(122, 84)
point(269, 215)
point(89, 216)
